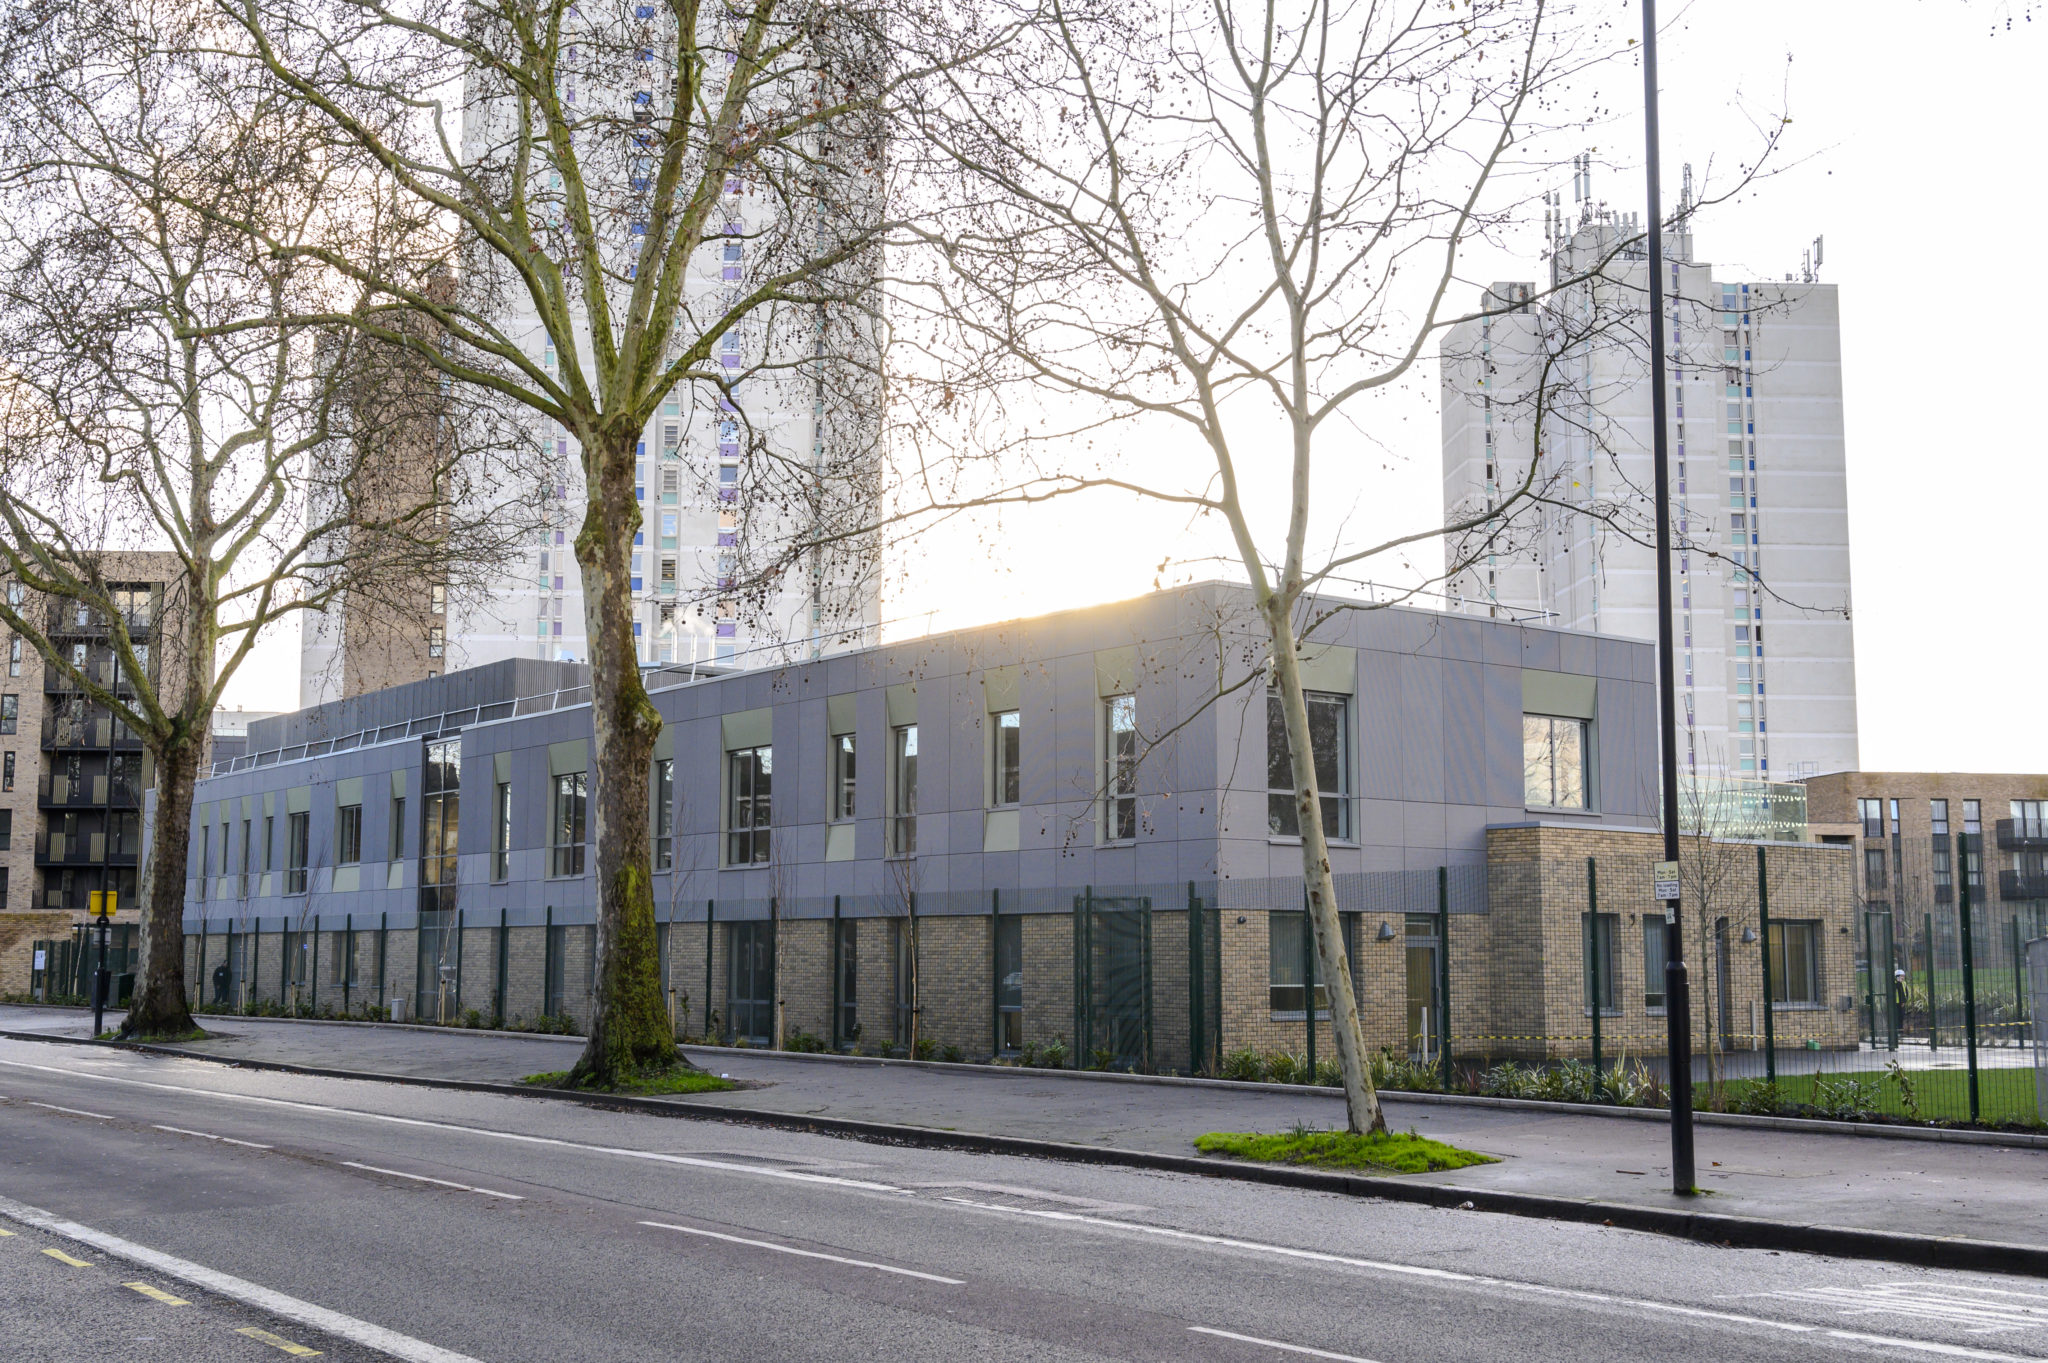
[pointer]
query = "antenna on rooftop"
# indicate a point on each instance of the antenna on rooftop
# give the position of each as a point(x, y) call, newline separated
point(1685, 195)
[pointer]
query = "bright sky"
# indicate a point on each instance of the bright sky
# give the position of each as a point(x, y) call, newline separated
point(1911, 140)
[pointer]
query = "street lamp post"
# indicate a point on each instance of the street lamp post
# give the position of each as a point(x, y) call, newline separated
point(1677, 991)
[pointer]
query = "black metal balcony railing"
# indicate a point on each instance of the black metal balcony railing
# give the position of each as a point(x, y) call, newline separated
point(2023, 884)
point(2021, 833)
point(55, 790)
point(66, 731)
point(55, 848)
point(67, 621)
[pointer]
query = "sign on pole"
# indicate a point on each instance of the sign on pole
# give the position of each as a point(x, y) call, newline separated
point(102, 903)
point(1665, 874)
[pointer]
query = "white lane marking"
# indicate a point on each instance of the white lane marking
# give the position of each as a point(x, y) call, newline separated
point(1972, 1308)
point(1276, 1344)
point(805, 1253)
point(1508, 1284)
point(1197, 1237)
point(207, 1136)
point(240, 1289)
point(74, 1111)
point(441, 1182)
point(517, 1137)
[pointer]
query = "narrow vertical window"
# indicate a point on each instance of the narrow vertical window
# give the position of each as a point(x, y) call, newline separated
point(441, 799)
point(842, 776)
point(1006, 730)
point(1010, 983)
point(348, 836)
point(501, 831)
point(1329, 732)
point(397, 829)
point(1654, 957)
point(572, 799)
point(904, 825)
point(750, 774)
point(297, 831)
point(1120, 768)
point(664, 813)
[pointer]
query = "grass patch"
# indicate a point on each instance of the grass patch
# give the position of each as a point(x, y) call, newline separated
point(2005, 1094)
point(678, 1080)
point(1387, 1152)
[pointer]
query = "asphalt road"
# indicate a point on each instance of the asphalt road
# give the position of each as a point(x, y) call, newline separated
point(367, 1220)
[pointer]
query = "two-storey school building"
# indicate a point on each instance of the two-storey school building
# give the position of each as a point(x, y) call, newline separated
point(1071, 829)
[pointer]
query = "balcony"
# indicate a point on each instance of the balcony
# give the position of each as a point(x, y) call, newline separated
point(69, 621)
point(56, 791)
point(55, 850)
point(2023, 884)
point(2016, 834)
point(68, 733)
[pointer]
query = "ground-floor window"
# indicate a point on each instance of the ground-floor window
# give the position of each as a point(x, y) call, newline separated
point(1010, 983)
point(1795, 965)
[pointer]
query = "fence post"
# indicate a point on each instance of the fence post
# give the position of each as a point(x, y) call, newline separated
point(1196, 1050)
point(1308, 984)
point(383, 982)
point(1969, 969)
point(348, 963)
point(1933, 1022)
point(2019, 973)
point(1084, 977)
point(1443, 972)
point(313, 983)
point(838, 968)
point(504, 968)
point(995, 973)
point(202, 959)
point(1146, 1019)
point(547, 962)
point(710, 916)
point(458, 959)
point(1763, 943)
point(1592, 953)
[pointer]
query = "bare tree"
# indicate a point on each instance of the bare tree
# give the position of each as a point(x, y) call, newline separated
point(158, 397)
point(1235, 226)
point(659, 202)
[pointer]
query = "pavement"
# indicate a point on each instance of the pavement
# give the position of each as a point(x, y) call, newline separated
point(364, 1219)
point(1903, 1187)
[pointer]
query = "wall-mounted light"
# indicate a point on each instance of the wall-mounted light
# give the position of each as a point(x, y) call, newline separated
point(1748, 936)
point(1386, 932)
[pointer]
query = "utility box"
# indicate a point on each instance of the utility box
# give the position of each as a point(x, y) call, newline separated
point(398, 1007)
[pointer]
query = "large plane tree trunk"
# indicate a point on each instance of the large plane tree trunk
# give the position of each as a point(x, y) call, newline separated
point(629, 1031)
point(158, 1007)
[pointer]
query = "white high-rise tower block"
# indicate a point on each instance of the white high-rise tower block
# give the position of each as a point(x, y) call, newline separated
point(1766, 651)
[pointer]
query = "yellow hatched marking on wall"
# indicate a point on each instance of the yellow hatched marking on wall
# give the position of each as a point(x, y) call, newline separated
point(61, 1257)
point(278, 1342)
point(156, 1294)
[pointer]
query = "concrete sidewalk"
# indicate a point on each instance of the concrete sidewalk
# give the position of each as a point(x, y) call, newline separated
point(1909, 1187)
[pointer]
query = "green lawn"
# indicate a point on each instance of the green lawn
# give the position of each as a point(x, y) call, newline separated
point(1384, 1153)
point(2005, 1094)
point(675, 1081)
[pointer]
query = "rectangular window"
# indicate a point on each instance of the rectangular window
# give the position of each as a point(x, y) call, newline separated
point(1795, 965)
point(1653, 964)
point(903, 830)
point(269, 843)
point(1328, 732)
point(297, 831)
point(1875, 869)
point(6, 830)
point(6, 771)
point(2029, 819)
point(842, 776)
point(1943, 866)
point(248, 859)
point(664, 813)
point(441, 804)
point(437, 641)
point(1119, 768)
point(1003, 758)
point(1870, 813)
point(397, 829)
point(501, 832)
point(14, 657)
point(1937, 815)
point(571, 809)
point(1287, 949)
point(205, 857)
point(348, 836)
point(1892, 815)
point(1597, 930)
point(10, 713)
point(1973, 816)
point(1554, 762)
point(1010, 983)
point(750, 774)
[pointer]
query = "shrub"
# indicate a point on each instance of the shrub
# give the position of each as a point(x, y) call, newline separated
point(1413, 1076)
point(801, 1041)
point(1329, 1072)
point(1844, 1099)
point(1284, 1067)
point(1242, 1064)
point(951, 1054)
point(925, 1049)
point(1508, 1080)
point(1758, 1098)
point(1054, 1056)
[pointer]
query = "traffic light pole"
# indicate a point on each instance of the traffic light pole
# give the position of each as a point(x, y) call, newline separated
point(1677, 991)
